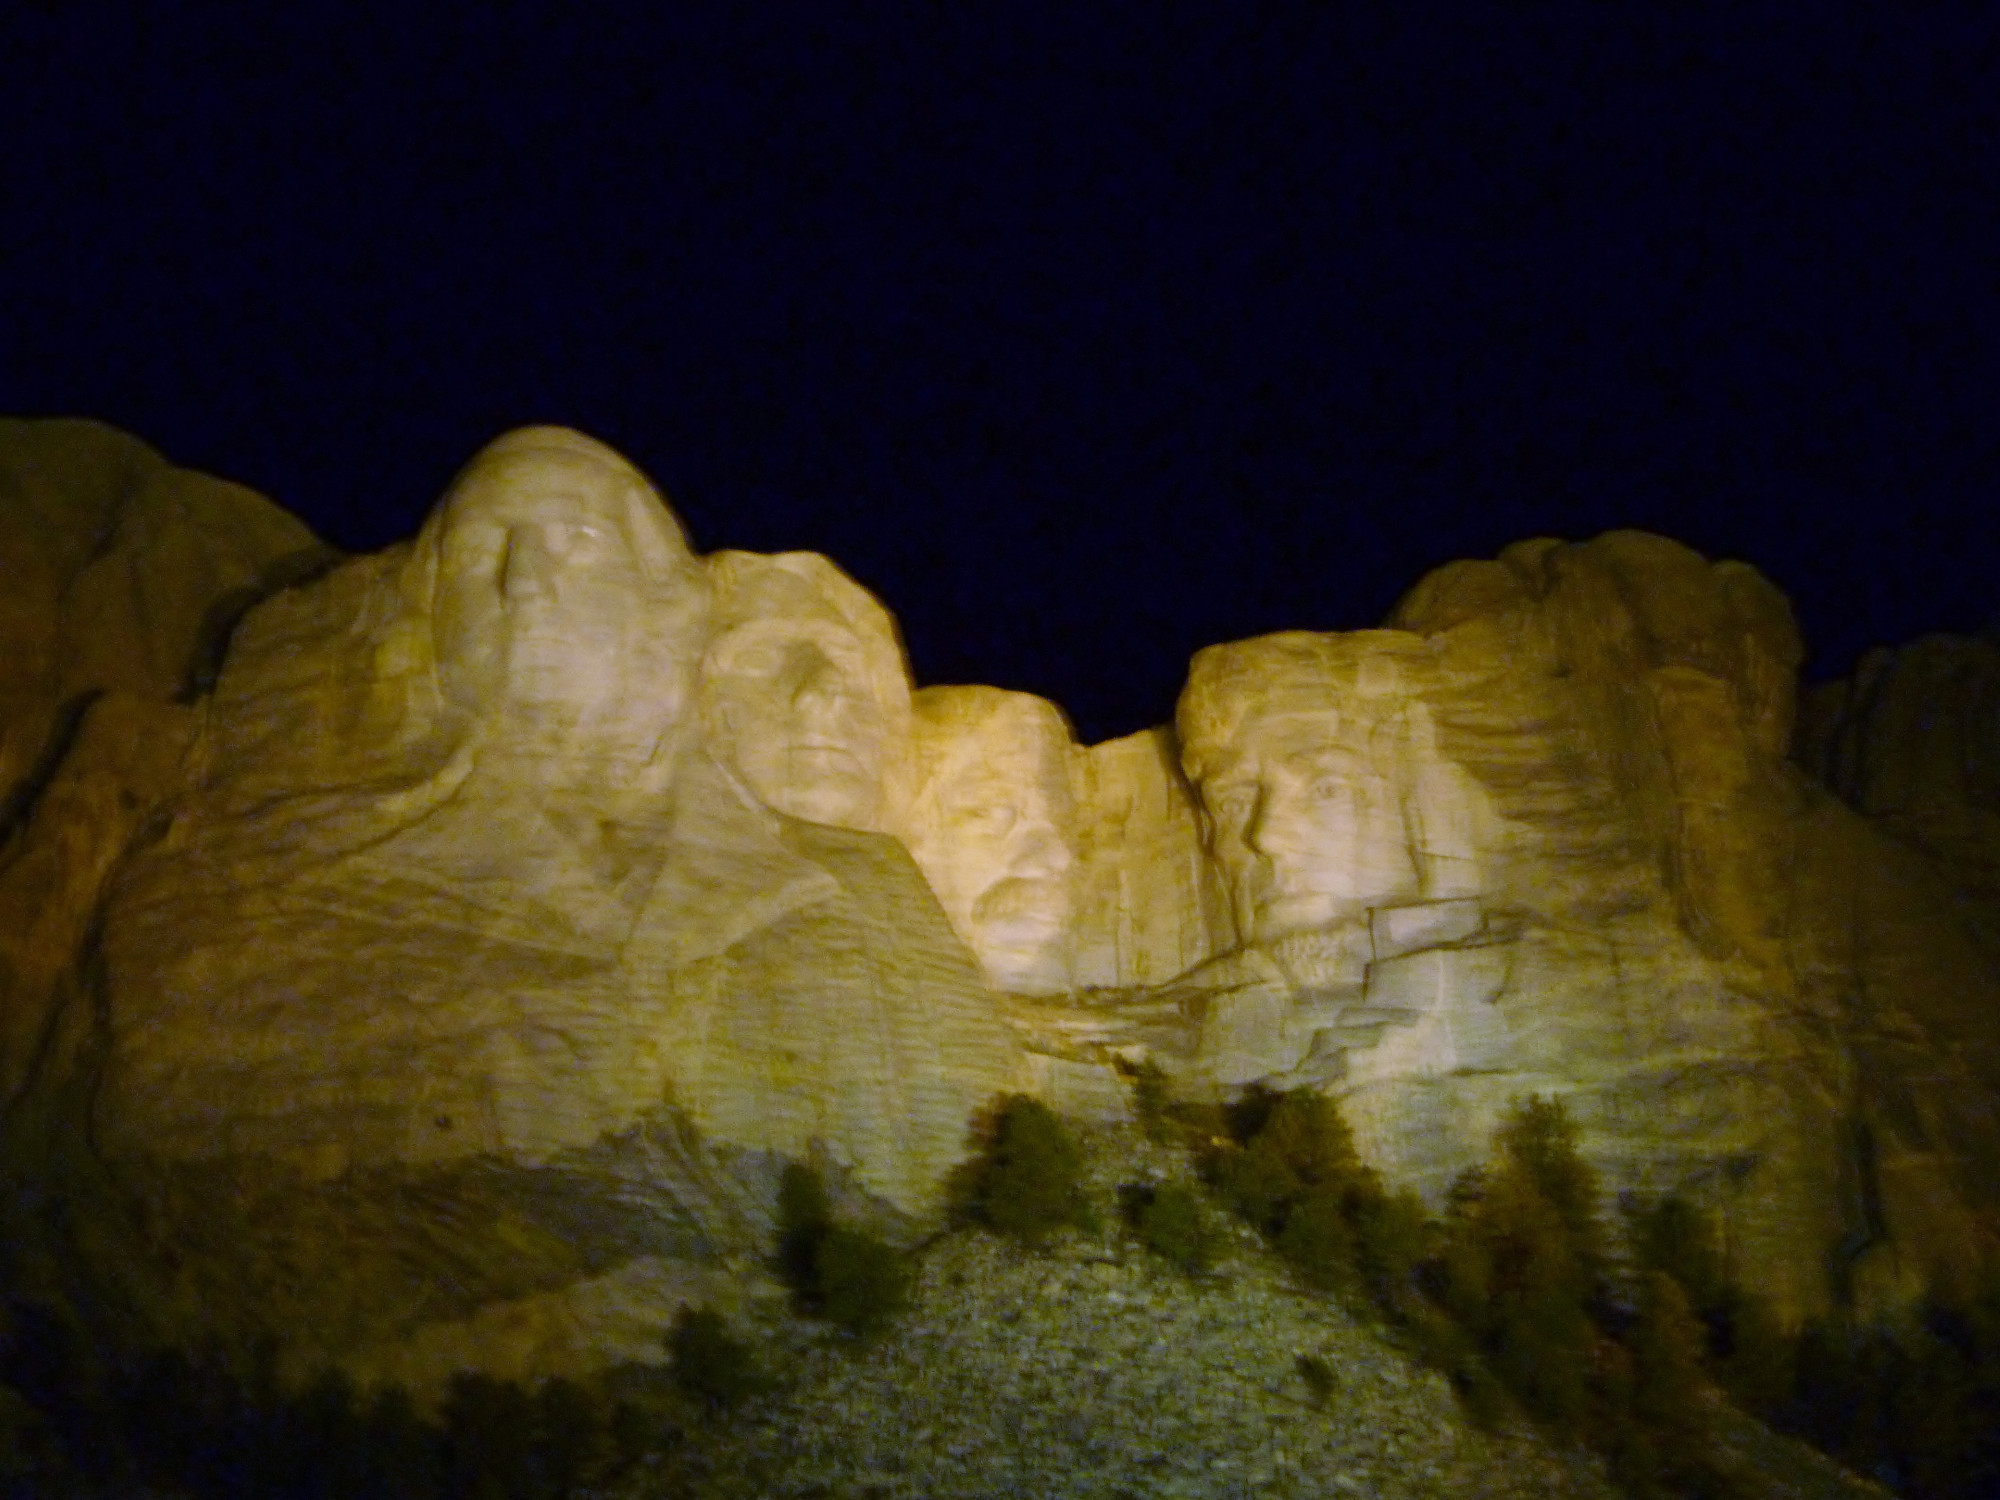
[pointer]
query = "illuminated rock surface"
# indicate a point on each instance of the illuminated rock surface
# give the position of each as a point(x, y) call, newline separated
point(459, 911)
point(1742, 989)
point(449, 978)
point(1150, 903)
point(806, 695)
point(993, 826)
point(120, 579)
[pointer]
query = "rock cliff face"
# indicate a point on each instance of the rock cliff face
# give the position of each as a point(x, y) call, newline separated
point(123, 577)
point(1774, 990)
point(1913, 741)
point(446, 982)
point(123, 574)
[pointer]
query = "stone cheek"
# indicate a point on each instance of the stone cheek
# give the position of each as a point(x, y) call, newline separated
point(800, 727)
point(1309, 832)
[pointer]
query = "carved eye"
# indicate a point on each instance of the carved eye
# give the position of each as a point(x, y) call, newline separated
point(1327, 788)
point(992, 818)
point(1233, 803)
point(577, 542)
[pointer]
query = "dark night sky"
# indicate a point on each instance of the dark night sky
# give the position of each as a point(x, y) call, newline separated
point(1085, 335)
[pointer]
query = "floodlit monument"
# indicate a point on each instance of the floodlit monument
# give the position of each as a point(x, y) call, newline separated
point(544, 878)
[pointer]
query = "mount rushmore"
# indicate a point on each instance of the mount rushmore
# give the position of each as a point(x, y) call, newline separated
point(433, 957)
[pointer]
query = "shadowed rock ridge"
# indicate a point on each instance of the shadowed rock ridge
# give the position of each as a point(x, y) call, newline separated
point(440, 975)
point(1913, 741)
point(124, 577)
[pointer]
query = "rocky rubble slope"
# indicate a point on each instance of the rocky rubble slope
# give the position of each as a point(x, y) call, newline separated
point(1092, 1369)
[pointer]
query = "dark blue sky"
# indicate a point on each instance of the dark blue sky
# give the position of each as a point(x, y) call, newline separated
point(1084, 335)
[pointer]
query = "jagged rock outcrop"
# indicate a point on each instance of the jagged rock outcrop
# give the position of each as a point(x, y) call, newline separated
point(124, 575)
point(448, 986)
point(1913, 741)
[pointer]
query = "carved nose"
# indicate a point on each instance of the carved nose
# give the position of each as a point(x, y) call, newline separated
point(528, 567)
point(1037, 852)
point(1257, 822)
point(822, 698)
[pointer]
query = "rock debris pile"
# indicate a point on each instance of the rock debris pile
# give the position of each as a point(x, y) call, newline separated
point(1092, 1370)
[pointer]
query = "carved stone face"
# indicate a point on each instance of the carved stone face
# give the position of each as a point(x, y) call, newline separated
point(992, 829)
point(1294, 819)
point(1298, 778)
point(807, 697)
point(567, 611)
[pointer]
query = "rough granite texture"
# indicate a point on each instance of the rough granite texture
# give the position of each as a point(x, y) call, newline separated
point(442, 976)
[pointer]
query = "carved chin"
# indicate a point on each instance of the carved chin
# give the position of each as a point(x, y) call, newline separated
point(841, 801)
point(1017, 931)
point(1023, 964)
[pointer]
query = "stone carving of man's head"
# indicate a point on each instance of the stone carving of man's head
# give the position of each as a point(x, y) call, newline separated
point(805, 692)
point(566, 611)
point(992, 826)
point(1292, 742)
